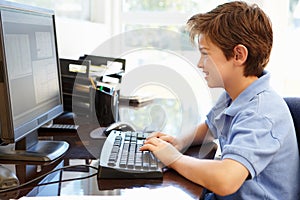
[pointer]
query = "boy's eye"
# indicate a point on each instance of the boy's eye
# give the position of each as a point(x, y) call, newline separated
point(204, 54)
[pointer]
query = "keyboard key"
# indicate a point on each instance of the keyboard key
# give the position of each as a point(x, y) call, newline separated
point(146, 163)
point(152, 161)
point(138, 159)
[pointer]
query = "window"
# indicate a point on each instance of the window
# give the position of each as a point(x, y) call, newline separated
point(156, 35)
point(172, 15)
point(166, 14)
point(121, 16)
point(76, 9)
point(291, 67)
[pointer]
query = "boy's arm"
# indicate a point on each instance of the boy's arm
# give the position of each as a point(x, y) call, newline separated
point(222, 177)
point(202, 135)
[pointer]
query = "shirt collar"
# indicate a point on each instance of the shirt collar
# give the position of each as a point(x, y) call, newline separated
point(251, 91)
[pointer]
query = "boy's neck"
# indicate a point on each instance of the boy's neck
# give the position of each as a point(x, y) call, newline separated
point(235, 88)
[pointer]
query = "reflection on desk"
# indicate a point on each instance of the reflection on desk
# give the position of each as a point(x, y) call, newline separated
point(85, 150)
point(28, 172)
point(172, 182)
point(133, 194)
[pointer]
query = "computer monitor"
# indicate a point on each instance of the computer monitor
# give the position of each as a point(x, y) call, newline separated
point(30, 86)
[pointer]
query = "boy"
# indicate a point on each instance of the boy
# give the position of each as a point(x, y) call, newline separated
point(260, 158)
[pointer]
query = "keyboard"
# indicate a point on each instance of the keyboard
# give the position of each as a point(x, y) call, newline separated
point(60, 127)
point(121, 158)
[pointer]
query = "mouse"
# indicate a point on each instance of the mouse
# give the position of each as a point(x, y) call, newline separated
point(120, 126)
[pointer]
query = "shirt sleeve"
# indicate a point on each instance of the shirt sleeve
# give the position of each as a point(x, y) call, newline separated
point(216, 111)
point(251, 142)
point(210, 125)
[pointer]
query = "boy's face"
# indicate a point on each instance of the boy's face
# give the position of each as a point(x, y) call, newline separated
point(214, 64)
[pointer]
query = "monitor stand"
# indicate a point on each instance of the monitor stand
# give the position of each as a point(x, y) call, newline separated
point(33, 150)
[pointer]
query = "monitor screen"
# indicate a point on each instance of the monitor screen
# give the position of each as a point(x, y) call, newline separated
point(30, 82)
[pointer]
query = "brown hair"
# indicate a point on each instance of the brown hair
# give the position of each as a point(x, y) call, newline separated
point(236, 23)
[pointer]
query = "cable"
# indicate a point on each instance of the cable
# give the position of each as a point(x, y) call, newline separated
point(71, 179)
point(53, 182)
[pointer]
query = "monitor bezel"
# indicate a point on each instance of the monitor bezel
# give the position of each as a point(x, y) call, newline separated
point(9, 134)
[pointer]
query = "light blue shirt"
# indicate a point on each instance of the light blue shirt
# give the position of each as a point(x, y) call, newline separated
point(257, 130)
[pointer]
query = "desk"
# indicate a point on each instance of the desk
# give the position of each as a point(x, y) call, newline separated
point(90, 186)
point(85, 149)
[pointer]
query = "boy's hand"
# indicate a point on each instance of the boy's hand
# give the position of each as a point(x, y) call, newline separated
point(163, 150)
point(168, 138)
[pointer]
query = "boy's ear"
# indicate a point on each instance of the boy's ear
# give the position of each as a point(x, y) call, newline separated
point(240, 53)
